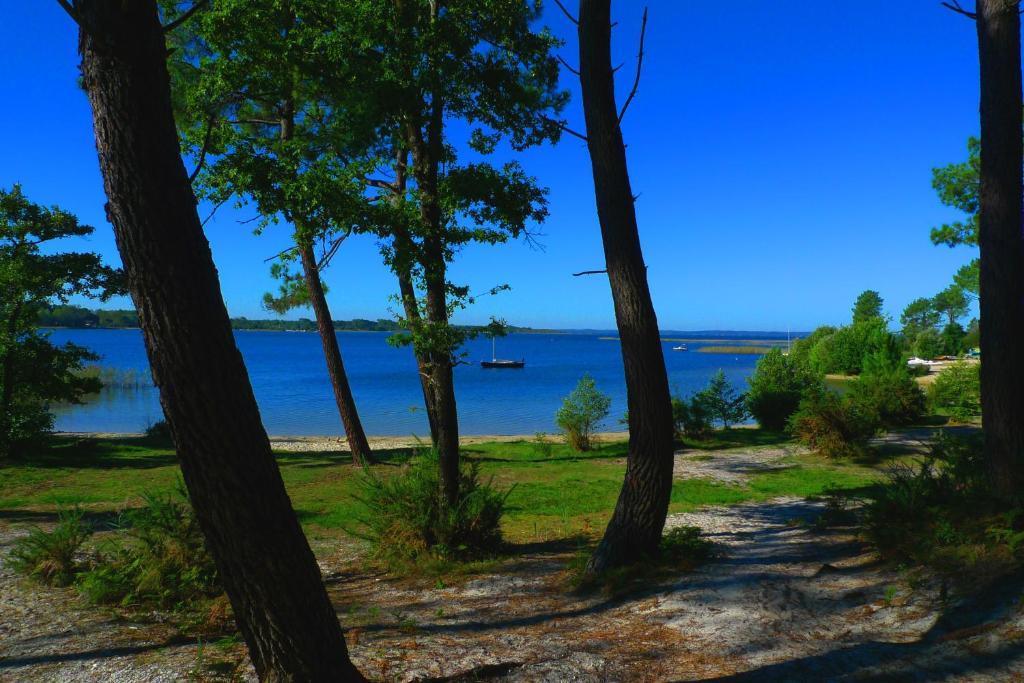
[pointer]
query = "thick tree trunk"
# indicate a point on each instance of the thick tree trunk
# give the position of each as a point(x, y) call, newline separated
point(639, 517)
point(1002, 244)
point(357, 442)
point(264, 561)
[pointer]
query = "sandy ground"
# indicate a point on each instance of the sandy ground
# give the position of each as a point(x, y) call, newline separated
point(782, 601)
point(296, 444)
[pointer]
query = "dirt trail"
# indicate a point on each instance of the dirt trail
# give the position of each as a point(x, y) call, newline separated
point(784, 601)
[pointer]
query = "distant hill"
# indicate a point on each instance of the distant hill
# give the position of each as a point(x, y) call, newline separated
point(78, 317)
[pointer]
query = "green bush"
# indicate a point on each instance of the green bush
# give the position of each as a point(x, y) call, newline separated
point(833, 426)
point(941, 513)
point(843, 351)
point(957, 391)
point(684, 546)
point(407, 518)
point(777, 386)
point(162, 560)
point(886, 389)
point(581, 412)
point(928, 344)
point(49, 556)
point(159, 431)
point(691, 417)
point(722, 401)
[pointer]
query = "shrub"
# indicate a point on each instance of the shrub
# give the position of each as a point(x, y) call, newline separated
point(941, 513)
point(928, 344)
point(957, 390)
point(777, 386)
point(684, 546)
point(833, 426)
point(49, 556)
point(722, 401)
point(886, 389)
point(581, 412)
point(159, 431)
point(843, 351)
point(161, 562)
point(407, 518)
point(691, 417)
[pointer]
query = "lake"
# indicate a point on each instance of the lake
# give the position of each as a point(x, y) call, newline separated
point(290, 381)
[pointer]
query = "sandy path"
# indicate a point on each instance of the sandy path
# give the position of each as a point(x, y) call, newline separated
point(784, 601)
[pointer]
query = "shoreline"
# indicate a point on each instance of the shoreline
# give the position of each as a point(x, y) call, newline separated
point(299, 444)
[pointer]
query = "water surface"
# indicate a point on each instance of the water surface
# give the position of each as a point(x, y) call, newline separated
point(290, 381)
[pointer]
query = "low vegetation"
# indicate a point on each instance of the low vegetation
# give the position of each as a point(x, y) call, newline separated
point(777, 387)
point(51, 557)
point(942, 514)
point(407, 520)
point(956, 392)
point(581, 413)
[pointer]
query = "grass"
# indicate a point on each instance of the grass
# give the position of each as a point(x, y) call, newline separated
point(558, 495)
point(735, 350)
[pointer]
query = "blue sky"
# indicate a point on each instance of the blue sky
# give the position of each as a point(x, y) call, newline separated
point(781, 151)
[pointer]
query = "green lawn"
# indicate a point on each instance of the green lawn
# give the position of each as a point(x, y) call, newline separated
point(558, 495)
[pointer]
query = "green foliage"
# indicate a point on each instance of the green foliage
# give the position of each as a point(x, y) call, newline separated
point(951, 302)
point(885, 388)
point(159, 431)
point(957, 391)
point(941, 513)
point(33, 372)
point(833, 426)
point(49, 556)
point(723, 402)
point(777, 386)
point(868, 306)
point(928, 344)
point(161, 561)
point(953, 336)
point(581, 412)
point(959, 186)
point(843, 351)
point(691, 417)
point(919, 316)
point(408, 521)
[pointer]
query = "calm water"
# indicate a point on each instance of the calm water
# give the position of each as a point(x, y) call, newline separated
point(289, 377)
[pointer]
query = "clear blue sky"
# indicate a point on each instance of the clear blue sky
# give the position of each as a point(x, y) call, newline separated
point(782, 153)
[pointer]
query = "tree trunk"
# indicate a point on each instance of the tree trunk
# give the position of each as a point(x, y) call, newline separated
point(442, 379)
point(264, 561)
point(1001, 243)
point(412, 314)
point(639, 517)
point(7, 394)
point(404, 257)
point(357, 442)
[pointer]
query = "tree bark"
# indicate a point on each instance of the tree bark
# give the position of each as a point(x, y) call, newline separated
point(636, 525)
point(264, 561)
point(426, 153)
point(357, 442)
point(402, 262)
point(1002, 244)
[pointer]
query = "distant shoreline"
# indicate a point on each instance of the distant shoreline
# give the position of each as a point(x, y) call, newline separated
point(297, 444)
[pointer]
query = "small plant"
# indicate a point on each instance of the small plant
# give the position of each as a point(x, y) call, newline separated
point(159, 431)
point(692, 417)
point(541, 446)
point(49, 556)
point(407, 519)
point(162, 561)
point(581, 412)
point(957, 390)
point(833, 426)
point(723, 402)
point(684, 546)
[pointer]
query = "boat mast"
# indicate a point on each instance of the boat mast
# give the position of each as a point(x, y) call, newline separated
point(494, 356)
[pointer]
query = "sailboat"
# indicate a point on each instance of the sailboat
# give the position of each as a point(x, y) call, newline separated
point(495, 363)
